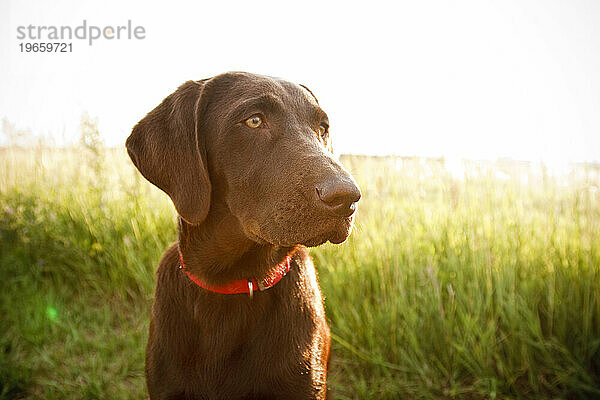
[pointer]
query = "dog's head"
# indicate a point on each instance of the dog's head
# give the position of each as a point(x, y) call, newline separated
point(260, 146)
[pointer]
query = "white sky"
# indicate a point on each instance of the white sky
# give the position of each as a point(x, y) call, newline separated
point(475, 79)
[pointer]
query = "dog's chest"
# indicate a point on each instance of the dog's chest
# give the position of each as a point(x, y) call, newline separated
point(251, 349)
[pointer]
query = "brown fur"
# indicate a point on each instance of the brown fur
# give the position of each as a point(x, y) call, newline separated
point(247, 198)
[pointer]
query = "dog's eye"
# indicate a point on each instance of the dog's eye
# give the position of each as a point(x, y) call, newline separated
point(323, 130)
point(254, 121)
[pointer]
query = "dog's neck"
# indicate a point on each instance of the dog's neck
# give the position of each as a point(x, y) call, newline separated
point(217, 251)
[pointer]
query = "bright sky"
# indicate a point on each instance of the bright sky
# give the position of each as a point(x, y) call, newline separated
point(475, 79)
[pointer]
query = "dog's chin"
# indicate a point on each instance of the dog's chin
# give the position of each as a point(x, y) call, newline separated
point(336, 232)
point(336, 235)
point(338, 239)
point(343, 232)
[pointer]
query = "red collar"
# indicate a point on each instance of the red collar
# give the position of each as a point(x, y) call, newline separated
point(244, 285)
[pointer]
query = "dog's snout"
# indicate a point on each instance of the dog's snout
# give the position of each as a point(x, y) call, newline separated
point(339, 196)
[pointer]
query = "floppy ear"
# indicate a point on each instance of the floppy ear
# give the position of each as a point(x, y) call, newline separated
point(167, 148)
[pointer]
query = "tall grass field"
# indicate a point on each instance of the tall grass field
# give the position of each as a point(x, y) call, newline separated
point(482, 283)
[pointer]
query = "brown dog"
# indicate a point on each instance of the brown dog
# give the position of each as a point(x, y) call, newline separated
point(245, 159)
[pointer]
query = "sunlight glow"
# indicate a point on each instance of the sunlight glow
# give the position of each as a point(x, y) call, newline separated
point(468, 79)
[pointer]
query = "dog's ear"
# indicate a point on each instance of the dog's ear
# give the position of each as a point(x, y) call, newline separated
point(310, 91)
point(329, 140)
point(168, 149)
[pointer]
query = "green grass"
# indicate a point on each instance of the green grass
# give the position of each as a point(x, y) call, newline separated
point(474, 288)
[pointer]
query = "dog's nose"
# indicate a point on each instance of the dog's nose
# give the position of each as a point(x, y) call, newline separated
point(339, 196)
